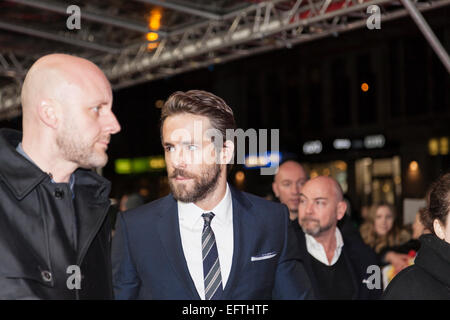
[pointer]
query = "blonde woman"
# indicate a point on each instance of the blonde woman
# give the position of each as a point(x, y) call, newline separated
point(382, 234)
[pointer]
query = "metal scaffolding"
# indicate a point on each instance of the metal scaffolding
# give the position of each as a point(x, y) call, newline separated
point(206, 39)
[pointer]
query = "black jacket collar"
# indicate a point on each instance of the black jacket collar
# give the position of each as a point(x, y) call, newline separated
point(19, 174)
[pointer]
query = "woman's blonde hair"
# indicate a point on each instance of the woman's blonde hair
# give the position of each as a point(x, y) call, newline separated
point(395, 236)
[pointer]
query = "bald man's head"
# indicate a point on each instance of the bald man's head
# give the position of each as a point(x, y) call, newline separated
point(321, 205)
point(67, 100)
point(288, 183)
point(51, 76)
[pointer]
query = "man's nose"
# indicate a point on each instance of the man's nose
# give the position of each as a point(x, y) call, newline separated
point(178, 158)
point(309, 208)
point(112, 125)
point(295, 189)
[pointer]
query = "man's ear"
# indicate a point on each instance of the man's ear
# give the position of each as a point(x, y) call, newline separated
point(275, 189)
point(227, 152)
point(438, 229)
point(341, 209)
point(47, 113)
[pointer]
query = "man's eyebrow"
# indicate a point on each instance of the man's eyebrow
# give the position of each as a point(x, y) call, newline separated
point(321, 198)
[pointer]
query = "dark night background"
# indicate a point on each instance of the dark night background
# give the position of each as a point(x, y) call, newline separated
point(312, 92)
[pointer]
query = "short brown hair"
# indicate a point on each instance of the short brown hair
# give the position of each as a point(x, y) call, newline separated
point(201, 103)
point(439, 203)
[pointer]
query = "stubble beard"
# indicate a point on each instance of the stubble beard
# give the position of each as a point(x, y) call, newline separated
point(313, 228)
point(76, 150)
point(204, 184)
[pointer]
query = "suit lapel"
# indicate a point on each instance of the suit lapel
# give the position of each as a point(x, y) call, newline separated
point(243, 223)
point(169, 233)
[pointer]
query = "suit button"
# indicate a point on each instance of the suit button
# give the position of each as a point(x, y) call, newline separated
point(59, 194)
point(46, 276)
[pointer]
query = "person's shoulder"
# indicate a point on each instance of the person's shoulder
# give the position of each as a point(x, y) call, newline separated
point(262, 204)
point(407, 284)
point(149, 210)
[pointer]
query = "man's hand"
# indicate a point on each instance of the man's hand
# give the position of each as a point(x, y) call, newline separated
point(398, 260)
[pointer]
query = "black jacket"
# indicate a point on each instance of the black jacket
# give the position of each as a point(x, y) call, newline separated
point(428, 278)
point(35, 246)
point(356, 254)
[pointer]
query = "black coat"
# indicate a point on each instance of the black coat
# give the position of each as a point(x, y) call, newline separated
point(35, 245)
point(428, 278)
point(356, 254)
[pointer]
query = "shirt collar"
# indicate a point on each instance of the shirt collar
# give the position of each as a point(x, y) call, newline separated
point(316, 249)
point(191, 213)
point(23, 153)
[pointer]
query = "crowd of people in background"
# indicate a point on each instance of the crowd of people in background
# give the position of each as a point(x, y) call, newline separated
point(378, 239)
point(388, 243)
point(206, 239)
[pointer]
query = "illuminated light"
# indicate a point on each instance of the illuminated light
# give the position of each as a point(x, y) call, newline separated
point(413, 166)
point(159, 104)
point(152, 45)
point(239, 177)
point(341, 165)
point(140, 165)
point(314, 174)
point(312, 147)
point(374, 141)
point(157, 163)
point(152, 36)
point(154, 22)
point(270, 159)
point(123, 166)
point(326, 172)
point(443, 145)
point(340, 144)
point(386, 188)
point(365, 87)
point(433, 147)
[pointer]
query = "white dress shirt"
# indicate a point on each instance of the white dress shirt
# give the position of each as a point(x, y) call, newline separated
point(316, 249)
point(191, 228)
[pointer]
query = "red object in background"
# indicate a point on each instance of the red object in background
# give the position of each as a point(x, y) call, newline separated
point(412, 253)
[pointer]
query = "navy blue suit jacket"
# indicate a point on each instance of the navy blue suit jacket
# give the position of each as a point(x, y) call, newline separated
point(149, 263)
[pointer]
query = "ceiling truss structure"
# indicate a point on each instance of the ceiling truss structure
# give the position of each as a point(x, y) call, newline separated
point(215, 38)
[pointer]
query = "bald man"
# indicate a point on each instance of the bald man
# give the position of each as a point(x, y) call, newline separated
point(54, 231)
point(287, 184)
point(336, 264)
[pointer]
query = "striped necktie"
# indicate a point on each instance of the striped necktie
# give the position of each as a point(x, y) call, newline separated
point(211, 265)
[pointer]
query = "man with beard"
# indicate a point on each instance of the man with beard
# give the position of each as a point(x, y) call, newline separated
point(54, 232)
point(336, 264)
point(206, 240)
point(287, 184)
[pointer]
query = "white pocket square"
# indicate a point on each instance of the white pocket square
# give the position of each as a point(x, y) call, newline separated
point(264, 256)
